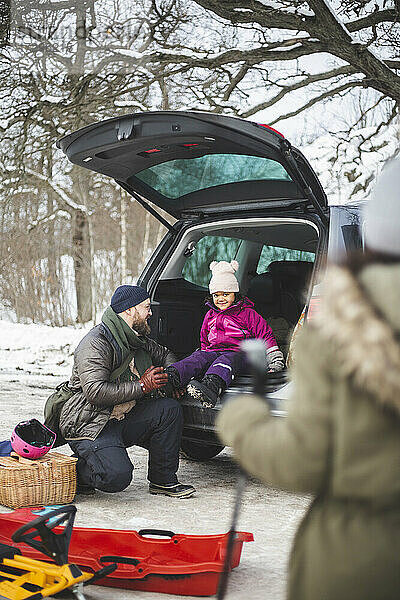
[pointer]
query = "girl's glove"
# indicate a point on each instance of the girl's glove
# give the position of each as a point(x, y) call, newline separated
point(152, 379)
point(276, 362)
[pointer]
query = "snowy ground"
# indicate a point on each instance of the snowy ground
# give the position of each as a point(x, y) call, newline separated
point(35, 358)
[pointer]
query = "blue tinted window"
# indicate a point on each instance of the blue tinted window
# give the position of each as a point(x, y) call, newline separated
point(209, 248)
point(271, 253)
point(177, 178)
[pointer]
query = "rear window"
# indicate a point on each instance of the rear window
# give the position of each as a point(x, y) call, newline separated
point(270, 254)
point(177, 178)
point(209, 248)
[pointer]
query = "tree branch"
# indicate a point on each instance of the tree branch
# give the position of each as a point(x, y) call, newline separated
point(375, 18)
point(320, 98)
point(324, 26)
point(252, 11)
point(49, 217)
point(68, 203)
point(346, 70)
point(30, 32)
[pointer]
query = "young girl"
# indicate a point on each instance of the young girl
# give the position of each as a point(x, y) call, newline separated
point(230, 319)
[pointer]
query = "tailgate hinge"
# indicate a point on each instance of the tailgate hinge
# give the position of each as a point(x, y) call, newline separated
point(124, 129)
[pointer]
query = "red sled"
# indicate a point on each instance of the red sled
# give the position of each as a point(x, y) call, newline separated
point(181, 564)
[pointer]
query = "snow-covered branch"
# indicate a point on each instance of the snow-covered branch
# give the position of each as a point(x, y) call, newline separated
point(67, 201)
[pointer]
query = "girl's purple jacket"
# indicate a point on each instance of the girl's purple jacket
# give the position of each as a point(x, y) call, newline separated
point(225, 329)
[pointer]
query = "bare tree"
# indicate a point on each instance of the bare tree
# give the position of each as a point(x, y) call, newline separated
point(72, 62)
point(65, 67)
point(362, 37)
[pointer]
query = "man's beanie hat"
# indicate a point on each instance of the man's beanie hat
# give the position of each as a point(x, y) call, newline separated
point(126, 296)
point(223, 276)
point(382, 212)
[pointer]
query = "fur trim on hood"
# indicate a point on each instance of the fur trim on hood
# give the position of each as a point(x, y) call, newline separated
point(366, 342)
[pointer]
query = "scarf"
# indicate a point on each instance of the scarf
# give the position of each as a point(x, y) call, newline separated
point(131, 344)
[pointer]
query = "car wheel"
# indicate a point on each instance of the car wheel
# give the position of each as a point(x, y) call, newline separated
point(198, 450)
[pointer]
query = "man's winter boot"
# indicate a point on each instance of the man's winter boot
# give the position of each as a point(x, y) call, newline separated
point(175, 490)
point(84, 490)
point(207, 390)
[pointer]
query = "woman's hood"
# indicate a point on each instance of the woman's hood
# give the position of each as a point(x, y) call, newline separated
point(362, 318)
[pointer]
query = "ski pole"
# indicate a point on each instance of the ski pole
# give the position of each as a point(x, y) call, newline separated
point(256, 357)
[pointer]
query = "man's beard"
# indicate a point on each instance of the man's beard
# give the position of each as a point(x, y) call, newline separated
point(141, 326)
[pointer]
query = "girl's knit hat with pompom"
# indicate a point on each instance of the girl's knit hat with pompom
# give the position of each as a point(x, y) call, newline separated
point(223, 278)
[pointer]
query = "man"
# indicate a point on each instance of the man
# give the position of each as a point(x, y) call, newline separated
point(117, 374)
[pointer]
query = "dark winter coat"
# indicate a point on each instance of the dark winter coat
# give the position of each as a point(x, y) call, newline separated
point(340, 441)
point(86, 413)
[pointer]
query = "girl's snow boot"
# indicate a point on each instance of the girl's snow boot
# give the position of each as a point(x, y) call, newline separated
point(207, 390)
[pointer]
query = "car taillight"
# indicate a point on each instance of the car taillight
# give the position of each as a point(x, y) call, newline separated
point(313, 307)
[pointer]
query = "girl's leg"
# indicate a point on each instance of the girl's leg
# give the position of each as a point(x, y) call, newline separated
point(225, 366)
point(194, 365)
point(216, 378)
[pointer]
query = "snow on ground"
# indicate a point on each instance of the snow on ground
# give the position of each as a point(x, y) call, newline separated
point(35, 358)
point(38, 349)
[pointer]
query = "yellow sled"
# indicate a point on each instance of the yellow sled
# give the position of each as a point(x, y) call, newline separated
point(23, 578)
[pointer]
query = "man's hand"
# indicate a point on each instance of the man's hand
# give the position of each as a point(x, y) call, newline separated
point(152, 379)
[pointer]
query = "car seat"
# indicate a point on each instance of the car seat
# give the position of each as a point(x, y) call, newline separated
point(263, 291)
point(278, 296)
point(291, 279)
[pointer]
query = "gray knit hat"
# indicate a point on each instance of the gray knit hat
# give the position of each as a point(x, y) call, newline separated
point(223, 276)
point(382, 212)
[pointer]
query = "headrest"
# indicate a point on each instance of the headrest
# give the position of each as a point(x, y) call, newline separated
point(292, 270)
point(262, 288)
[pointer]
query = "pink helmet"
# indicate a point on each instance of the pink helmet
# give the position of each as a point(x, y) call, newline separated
point(31, 439)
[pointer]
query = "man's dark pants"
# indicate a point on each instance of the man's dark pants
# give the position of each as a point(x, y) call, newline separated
point(156, 425)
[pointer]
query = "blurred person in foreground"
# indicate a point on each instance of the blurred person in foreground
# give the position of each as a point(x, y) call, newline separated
point(341, 438)
point(105, 416)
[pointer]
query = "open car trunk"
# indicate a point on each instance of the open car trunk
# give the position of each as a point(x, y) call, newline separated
point(277, 256)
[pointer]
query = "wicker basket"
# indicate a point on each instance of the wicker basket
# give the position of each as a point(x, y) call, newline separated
point(47, 480)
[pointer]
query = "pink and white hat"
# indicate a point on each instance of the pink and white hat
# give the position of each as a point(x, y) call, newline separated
point(223, 276)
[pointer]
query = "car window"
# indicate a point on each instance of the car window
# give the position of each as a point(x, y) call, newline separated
point(272, 253)
point(345, 231)
point(176, 178)
point(209, 248)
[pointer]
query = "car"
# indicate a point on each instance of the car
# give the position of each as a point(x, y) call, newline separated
point(238, 190)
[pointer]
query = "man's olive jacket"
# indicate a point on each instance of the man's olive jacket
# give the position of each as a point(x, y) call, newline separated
point(86, 413)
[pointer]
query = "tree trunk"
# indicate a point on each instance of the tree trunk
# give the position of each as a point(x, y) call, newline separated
point(93, 294)
point(82, 265)
point(5, 16)
point(145, 248)
point(160, 233)
point(55, 300)
point(123, 237)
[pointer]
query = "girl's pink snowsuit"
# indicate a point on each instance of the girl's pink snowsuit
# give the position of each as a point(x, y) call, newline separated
point(223, 330)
